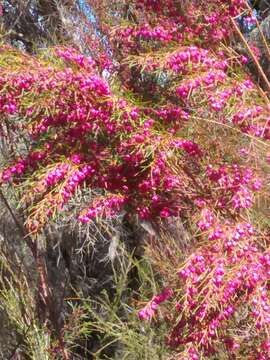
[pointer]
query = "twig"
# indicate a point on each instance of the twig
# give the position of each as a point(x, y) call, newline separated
point(18, 224)
point(259, 68)
point(45, 293)
point(261, 34)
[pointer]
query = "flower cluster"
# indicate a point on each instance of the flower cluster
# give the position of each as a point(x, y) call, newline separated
point(151, 308)
point(210, 23)
point(74, 180)
point(195, 57)
point(107, 207)
point(18, 168)
point(230, 271)
point(236, 185)
point(72, 56)
point(207, 81)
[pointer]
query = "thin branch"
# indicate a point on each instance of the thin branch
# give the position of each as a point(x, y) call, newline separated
point(259, 68)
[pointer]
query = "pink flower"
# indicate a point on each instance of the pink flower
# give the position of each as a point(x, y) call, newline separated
point(151, 308)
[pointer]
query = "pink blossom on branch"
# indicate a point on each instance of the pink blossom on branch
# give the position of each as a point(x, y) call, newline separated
point(151, 308)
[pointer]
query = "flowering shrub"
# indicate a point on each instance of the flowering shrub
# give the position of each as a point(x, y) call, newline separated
point(80, 133)
point(178, 63)
point(184, 135)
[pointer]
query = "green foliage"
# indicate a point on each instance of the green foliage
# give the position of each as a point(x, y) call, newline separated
point(113, 318)
point(18, 303)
